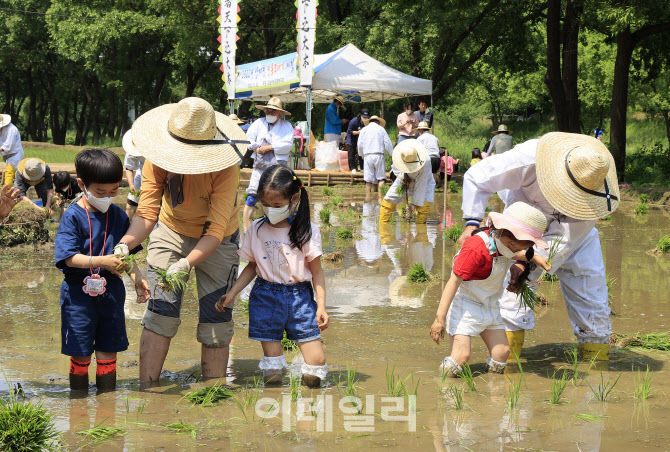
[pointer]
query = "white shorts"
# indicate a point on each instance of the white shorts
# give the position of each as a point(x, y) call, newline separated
point(374, 168)
point(470, 318)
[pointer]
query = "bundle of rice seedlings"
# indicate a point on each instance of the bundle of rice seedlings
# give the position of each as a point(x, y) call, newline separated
point(344, 234)
point(651, 341)
point(327, 191)
point(337, 200)
point(98, 434)
point(170, 283)
point(663, 244)
point(401, 189)
point(527, 298)
point(553, 250)
point(454, 232)
point(210, 395)
point(418, 273)
point(324, 215)
point(288, 344)
point(135, 193)
point(641, 209)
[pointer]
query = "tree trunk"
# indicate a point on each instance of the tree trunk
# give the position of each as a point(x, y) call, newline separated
point(54, 123)
point(624, 53)
point(666, 117)
point(570, 43)
point(31, 129)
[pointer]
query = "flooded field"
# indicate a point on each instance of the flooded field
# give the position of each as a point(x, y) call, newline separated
point(379, 325)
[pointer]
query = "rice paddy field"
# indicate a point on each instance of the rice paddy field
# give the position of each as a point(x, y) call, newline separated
point(383, 390)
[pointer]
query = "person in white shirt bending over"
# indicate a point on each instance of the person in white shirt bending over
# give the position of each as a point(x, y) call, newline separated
point(372, 141)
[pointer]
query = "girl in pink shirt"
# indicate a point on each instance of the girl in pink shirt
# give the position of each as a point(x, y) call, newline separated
point(284, 253)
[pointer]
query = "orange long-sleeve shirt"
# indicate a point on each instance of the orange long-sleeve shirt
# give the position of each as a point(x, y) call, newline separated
point(209, 207)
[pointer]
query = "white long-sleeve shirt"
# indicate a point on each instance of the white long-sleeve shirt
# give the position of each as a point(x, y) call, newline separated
point(279, 135)
point(10, 145)
point(431, 143)
point(512, 175)
point(373, 139)
point(421, 187)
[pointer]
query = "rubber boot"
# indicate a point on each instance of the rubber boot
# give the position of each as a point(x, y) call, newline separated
point(515, 339)
point(422, 213)
point(597, 352)
point(385, 211)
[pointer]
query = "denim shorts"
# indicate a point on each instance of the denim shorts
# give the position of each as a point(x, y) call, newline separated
point(275, 308)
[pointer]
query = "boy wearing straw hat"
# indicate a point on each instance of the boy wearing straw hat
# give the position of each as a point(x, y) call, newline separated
point(189, 207)
point(37, 174)
point(10, 147)
point(501, 142)
point(271, 140)
point(415, 179)
point(372, 142)
point(572, 179)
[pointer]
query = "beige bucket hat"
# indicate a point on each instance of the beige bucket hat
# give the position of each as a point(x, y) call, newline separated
point(274, 103)
point(5, 120)
point(502, 128)
point(577, 175)
point(32, 169)
point(382, 121)
point(525, 222)
point(189, 137)
point(128, 145)
point(235, 119)
point(423, 125)
point(410, 156)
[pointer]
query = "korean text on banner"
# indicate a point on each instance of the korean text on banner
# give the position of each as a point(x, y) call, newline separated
point(306, 31)
point(277, 71)
point(229, 20)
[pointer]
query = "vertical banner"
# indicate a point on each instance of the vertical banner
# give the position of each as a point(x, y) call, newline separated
point(306, 31)
point(228, 18)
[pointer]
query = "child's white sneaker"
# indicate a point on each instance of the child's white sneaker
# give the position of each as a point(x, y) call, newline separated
point(450, 367)
point(495, 366)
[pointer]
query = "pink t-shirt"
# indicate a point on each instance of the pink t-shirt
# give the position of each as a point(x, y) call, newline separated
point(275, 260)
point(450, 165)
point(407, 129)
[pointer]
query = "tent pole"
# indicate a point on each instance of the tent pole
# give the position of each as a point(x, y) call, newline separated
point(382, 109)
point(309, 118)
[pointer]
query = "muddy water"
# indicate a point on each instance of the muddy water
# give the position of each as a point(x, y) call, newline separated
point(378, 319)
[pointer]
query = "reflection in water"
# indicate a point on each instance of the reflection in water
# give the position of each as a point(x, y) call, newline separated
point(369, 248)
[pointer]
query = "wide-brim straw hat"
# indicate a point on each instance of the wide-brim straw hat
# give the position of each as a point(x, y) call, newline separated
point(423, 125)
point(32, 169)
point(235, 119)
point(129, 146)
point(189, 137)
point(410, 156)
point(382, 121)
point(276, 104)
point(524, 221)
point(577, 175)
point(340, 99)
point(5, 120)
point(502, 128)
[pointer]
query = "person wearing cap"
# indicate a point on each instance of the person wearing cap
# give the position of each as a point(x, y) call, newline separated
point(501, 142)
point(271, 140)
point(35, 173)
point(133, 163)
point(332, 130)
point(407, 121)
point(431, 143)
point(424, 114)
point(572, 179)
point(10, 147)
point(469, 303)
point(353, 132)
point(188, 208)
point(372, 142)
point(415, 180)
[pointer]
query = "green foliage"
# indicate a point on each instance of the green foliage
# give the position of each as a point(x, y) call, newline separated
point(324, 215)
point(642, 385)
point(663, 244)
point(327, 191)
point(513, 392)
point(99, 434)
point(644, 198)
point(454, 232)
point(170, 283)
point(641, 209)
point(384, 189)
point(557, 387)
point(417, 273)
point(453, 187)
point(648, 166)
point(466, 375)
point(604, 389)
point(183, 427)
point(344, 234)
point(528, 299)
point(294, 385)
point(336, 200)
point(396, 386)
point(351, 386)
point(651, 341)
point(456, 395)
point(210, 395)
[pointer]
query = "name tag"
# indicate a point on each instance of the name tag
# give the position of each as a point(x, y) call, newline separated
point(94, 285)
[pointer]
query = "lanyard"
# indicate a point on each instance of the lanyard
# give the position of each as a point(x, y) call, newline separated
point(90, 234)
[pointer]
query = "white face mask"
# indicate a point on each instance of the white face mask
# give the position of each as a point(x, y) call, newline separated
point(409, 112)
point(271, 119)
point(102, 204)
point(277, 214)
point(502, 249)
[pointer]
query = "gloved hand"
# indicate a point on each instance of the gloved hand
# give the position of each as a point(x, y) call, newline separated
point(121, 250)
point(181, 265)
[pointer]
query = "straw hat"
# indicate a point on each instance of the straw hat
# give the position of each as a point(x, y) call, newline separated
point(502, 128)
point(423, 125)
point(340, 99)
point(235, 119)
point(189, 137)
point(129, 146)
point(577, 175)
point(382, 122)
point(525, 222)
point(5, 120)
point(32, 169)
point(276, 104)
point(410, 156)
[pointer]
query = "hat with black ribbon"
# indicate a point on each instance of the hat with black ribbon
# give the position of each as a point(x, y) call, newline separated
point(188, 137)
point(577, 175)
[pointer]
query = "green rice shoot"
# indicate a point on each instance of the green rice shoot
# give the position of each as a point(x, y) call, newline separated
point(528, 299)
point(454, 232)
point(384, 189)
point(644, 198)
point(337, 200)
point(99, 434)
point(641, 209)
point(603, 391)
point(456, 395)
point(350, 387)
point(642, 385)
point(663, 244)
point(551, 255)
point(131, 261)
point(466, 375)
point(401, 190)
point(514, 392)
point(590, 417)
point(418, 274)
point(572, 356)
point(170, 283)
point(651, 341)
point(182, 427)
point(557, 387)
point(135, 193)
point(210, 395)
point(295, 381)
point(344, 234)
point(324, 215)
point(327, 191)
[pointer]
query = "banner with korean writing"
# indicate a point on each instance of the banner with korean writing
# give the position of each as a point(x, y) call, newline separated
point(228, 18)
point(306, 32)
point(270, 73)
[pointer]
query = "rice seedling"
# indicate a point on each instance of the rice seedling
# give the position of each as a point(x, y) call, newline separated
point(603, 391)
point(324, 215)
point(401, 189)
point(135, 193)
point(350, 388)
point(644, 198)
point(453, 187)
point(589, 417)
point(549, 277)
point(442, 378)
point(327, 191)
point(25, 425)
point(417, 273)
point(514, 392)
point(295, 381)
point(642, 385)
point(466, 375)
point(528, 299)
point(99, 434)
point(651, 341)
point(551, 255)
point(456, 395)
point(248, 398)
point(607, 218)
point(641, 209)
point(210, 395)
point(344, 234)
point(336, 200)
point(395, 385)
point(384, 189)
point(663, 244)
point(557, 387)
point(288, 344)
point(572, 356)
point(170, 283)
point(183, 427)
point(454, 232)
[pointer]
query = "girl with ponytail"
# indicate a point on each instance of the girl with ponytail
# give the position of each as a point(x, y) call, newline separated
point(284, 253)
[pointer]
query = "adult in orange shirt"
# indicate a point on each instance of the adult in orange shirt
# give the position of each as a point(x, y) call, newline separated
point(189, 194)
